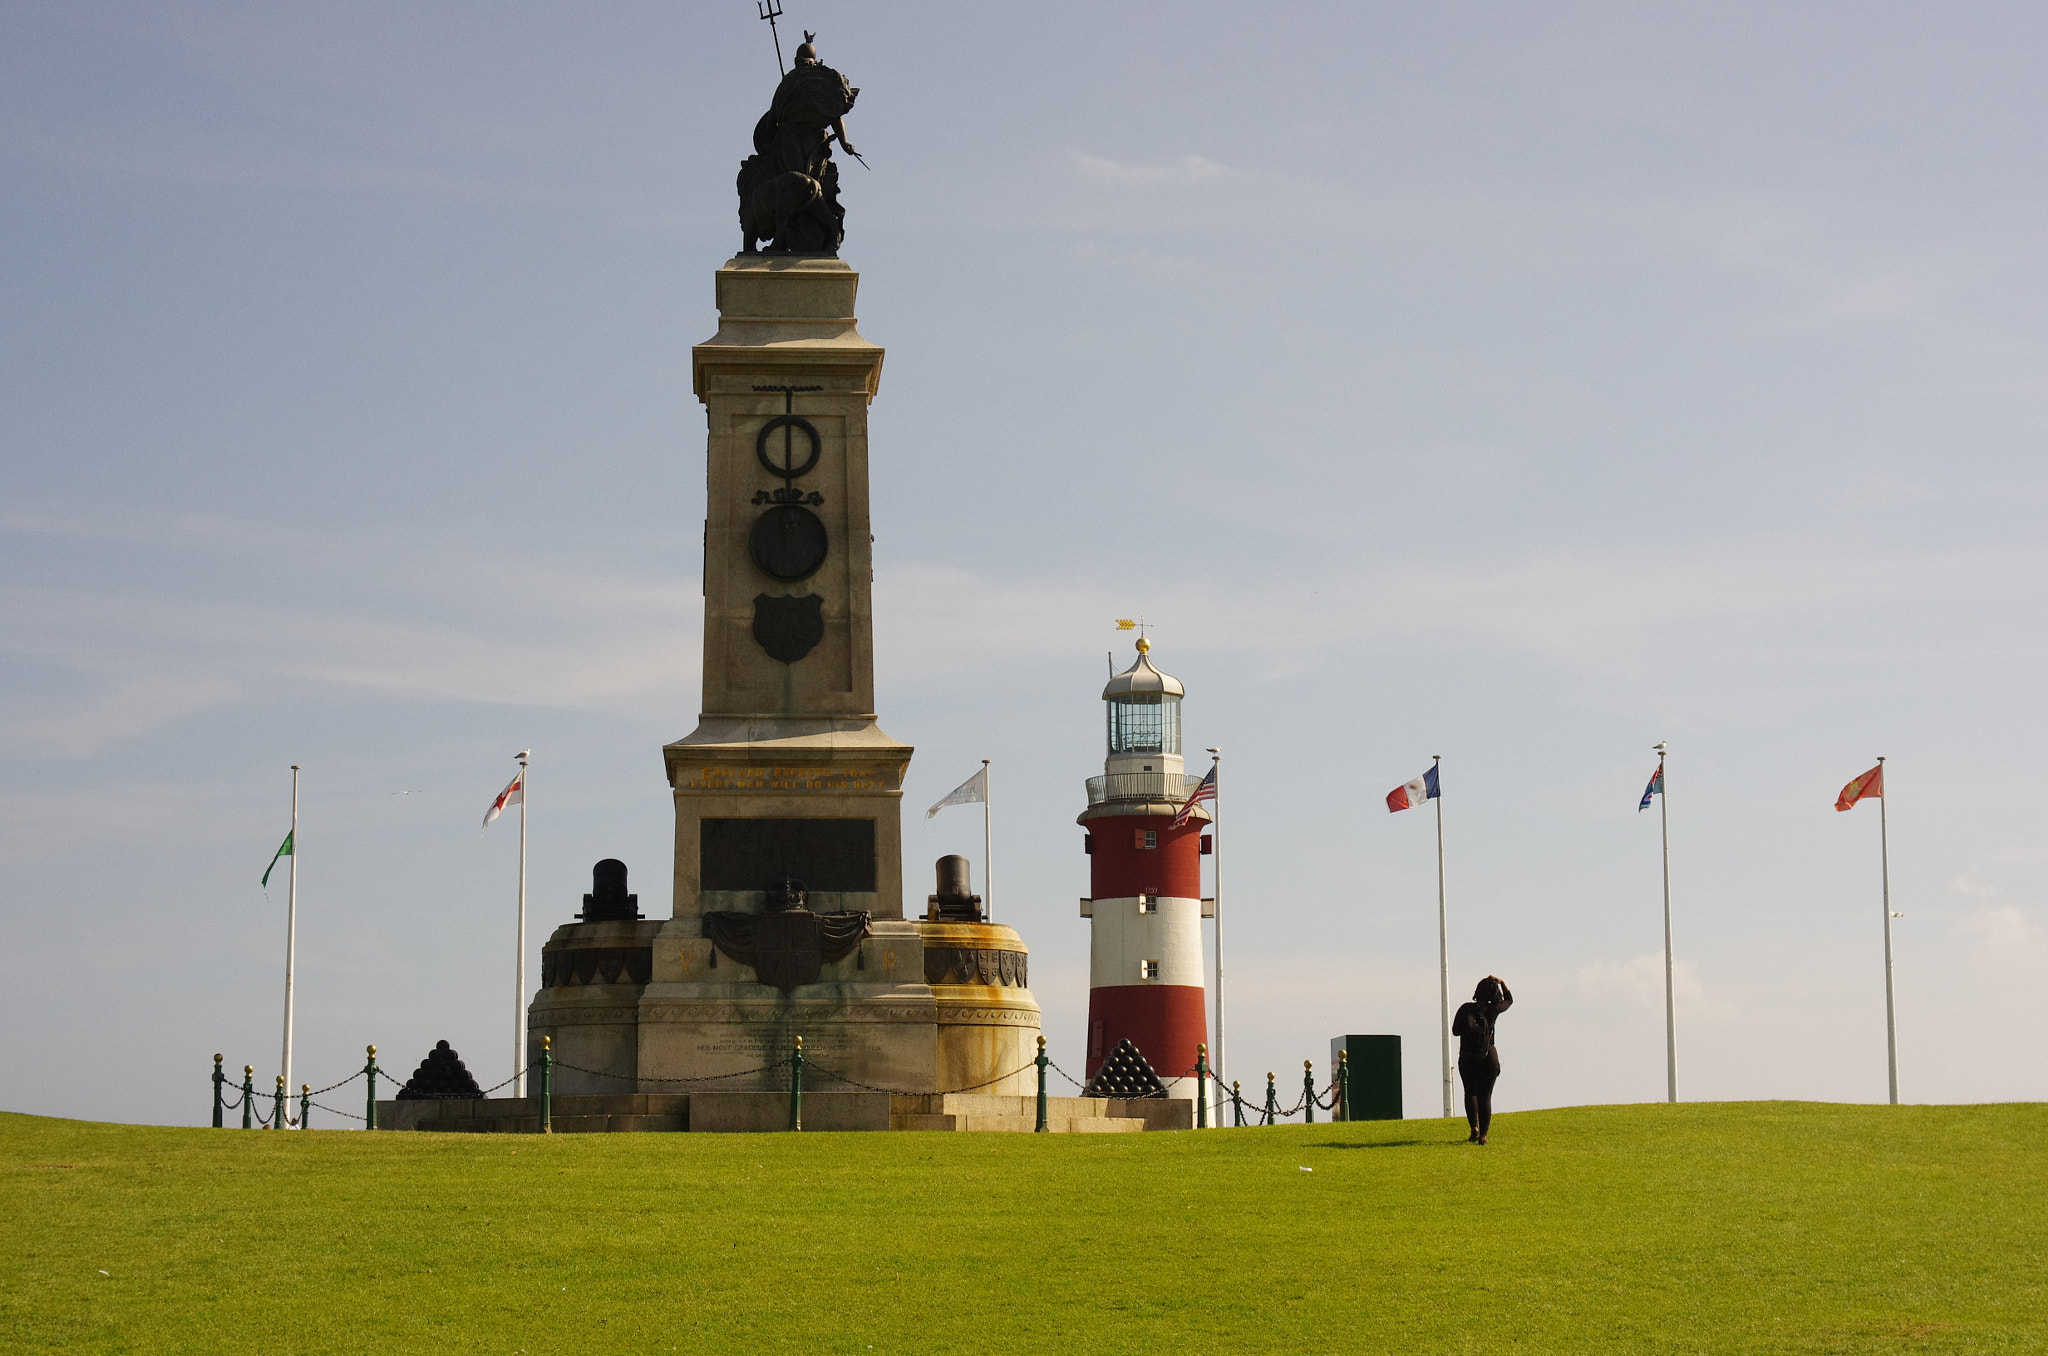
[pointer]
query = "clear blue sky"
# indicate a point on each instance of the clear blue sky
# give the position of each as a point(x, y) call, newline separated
point(1521, 384)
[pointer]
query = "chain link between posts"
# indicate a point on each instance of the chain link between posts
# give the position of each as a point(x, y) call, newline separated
point(1225, 1093)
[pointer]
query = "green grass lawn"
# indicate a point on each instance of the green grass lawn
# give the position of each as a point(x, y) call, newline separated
point(1765, 1227)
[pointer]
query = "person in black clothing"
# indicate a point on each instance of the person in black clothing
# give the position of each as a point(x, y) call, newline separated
point(1478, 1061)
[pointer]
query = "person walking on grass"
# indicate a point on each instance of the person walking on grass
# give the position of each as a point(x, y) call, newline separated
point(1478, 1061)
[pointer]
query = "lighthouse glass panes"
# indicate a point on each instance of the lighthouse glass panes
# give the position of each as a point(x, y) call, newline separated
point(1144, 722)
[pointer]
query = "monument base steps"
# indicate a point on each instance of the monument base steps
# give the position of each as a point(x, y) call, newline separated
point(760, 1112)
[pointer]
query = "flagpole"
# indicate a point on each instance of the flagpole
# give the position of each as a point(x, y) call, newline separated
point(291, 930)
point(988, 870)
point(1891, 1022)
point(1443, 936)
point(1216, 850)
point(519, 994)
point(1670, 1007)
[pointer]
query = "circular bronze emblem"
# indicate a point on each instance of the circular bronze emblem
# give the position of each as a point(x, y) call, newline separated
point(788, 543)
point(789, 470)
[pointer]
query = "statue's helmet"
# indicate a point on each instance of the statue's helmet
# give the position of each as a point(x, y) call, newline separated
point(806, 52)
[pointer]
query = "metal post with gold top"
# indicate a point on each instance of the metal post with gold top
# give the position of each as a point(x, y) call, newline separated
point(796, 1085)
point(1042, 1060)
point(370, 1097)
point(1308, 1092)
point(218, 1079)
point(547, 1099)
point(248, 1096)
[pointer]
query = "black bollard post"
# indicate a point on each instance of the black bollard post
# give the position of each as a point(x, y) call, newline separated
point(305, 1104)
point(218, 1079)
point(248, 1096)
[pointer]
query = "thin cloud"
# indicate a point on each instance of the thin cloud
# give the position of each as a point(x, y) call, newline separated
point(1186, 170)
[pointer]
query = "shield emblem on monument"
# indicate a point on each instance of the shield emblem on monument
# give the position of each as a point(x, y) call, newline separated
point(788, 628)
point(788, 948)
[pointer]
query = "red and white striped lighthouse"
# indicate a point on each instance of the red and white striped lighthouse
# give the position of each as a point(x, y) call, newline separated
point(1145, 896)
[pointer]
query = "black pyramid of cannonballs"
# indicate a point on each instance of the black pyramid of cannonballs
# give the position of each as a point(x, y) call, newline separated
point(440, 1075)
point(1124, 1074)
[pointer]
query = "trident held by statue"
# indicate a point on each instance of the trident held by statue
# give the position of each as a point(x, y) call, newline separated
point(771, 10)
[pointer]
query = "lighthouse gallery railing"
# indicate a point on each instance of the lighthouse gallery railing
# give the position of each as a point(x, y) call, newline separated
point(1154, 786)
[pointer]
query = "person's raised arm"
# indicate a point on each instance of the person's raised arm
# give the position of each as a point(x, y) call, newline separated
point(1507, 999)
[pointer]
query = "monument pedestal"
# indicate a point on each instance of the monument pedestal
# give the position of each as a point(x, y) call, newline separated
point(788, 792)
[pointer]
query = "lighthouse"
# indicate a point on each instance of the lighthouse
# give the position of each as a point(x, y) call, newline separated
point(1145, 906)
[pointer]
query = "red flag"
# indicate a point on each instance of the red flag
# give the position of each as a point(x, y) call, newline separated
point(1870, 783)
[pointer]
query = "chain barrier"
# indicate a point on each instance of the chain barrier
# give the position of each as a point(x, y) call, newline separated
point(706, 1078)
point(1245, 1109)
point(897, 1092)
point(342, 1084)
point(1069, 1077)
point(455, 1096)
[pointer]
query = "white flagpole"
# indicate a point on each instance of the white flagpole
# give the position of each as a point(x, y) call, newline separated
point(1891, 1022)
point(1216, 849)
point(1443, 937)
point(291, 930)
point(988, 870)
point(519, 995)
point(1670, 1007)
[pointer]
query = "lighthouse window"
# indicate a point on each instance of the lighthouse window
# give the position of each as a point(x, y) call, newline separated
point(1144, 838)
point(1144, 722)
point(1148, 970)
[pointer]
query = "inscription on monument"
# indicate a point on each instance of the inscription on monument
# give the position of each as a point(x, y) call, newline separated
point(752, 854)
point(789, 779)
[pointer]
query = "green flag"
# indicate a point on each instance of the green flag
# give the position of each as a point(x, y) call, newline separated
point(284, 850)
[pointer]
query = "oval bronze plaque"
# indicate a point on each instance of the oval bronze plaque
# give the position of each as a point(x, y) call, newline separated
point(788, 543)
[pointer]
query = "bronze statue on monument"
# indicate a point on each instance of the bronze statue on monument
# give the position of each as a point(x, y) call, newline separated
point(789, 186)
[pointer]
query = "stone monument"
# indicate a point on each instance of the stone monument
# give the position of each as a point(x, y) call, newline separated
point(788, 914)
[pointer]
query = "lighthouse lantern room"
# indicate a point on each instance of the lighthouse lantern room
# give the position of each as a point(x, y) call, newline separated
point(1145, 898)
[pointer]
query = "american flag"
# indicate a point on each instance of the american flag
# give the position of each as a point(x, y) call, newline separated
point(1205, 791)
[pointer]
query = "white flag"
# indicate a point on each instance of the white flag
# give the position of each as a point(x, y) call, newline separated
point(973, 791)
point(515, 794)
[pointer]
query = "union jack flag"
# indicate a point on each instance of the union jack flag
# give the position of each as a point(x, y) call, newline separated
point(1206, 790)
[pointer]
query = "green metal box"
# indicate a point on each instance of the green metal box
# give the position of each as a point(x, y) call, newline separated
point(1375, 1075)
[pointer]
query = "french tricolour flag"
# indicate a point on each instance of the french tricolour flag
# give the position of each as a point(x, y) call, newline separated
point(1413, 793)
